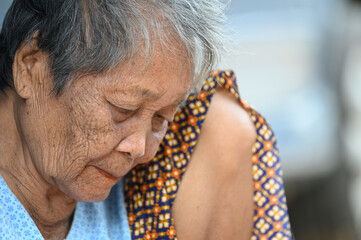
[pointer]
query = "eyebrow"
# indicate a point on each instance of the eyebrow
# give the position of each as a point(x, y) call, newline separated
point(138, 91)
point(154, 95)
point(145, 92)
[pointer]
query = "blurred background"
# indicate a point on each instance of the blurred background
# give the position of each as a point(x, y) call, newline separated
point(299, 63)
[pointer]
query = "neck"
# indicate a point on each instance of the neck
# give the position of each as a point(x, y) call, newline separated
point(50, 209)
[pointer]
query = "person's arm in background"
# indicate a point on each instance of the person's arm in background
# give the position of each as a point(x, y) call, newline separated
point(215, 199)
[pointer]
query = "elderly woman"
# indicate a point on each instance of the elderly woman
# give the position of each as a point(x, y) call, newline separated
point(88, 89)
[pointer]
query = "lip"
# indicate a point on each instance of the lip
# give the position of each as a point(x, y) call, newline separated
point(107, 174)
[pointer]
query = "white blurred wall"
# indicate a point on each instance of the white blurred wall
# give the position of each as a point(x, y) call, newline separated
point(276, 52)
point(4, 5)
point(352, 92)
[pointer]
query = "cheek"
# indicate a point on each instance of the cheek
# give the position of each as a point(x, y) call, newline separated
point(85, 134)
point(44, 122)
point(92, 128)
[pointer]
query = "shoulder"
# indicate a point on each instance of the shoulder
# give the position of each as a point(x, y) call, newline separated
point(226, 114)
point(228, 132)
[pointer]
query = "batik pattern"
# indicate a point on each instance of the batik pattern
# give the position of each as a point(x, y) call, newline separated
point(150, 189)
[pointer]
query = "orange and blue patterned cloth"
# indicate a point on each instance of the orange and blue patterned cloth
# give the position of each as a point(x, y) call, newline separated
point(150, 189)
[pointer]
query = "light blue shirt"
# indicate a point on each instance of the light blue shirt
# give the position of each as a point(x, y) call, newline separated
point(102, 220)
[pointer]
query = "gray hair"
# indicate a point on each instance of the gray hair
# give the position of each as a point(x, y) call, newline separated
point(92, 36)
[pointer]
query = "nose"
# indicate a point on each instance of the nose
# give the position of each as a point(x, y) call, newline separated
point(134, 145)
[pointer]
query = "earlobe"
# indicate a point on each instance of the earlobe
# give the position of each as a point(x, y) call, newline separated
point(24, 62)
point(22, 81)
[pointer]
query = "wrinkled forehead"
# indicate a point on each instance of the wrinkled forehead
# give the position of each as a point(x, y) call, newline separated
point(165, 53)
point(159, 81)
point(162, 54)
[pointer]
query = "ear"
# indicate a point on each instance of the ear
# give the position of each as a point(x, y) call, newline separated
point(24, 67)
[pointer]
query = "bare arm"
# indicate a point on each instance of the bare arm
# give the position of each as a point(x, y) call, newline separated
point(215, 199)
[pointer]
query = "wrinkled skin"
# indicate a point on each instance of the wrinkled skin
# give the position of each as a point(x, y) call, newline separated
point(109, 122)
point(76, 146)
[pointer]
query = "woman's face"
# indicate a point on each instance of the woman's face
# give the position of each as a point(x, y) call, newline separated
point(101, 126)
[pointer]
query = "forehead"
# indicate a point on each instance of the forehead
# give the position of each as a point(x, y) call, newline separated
point(166, 71)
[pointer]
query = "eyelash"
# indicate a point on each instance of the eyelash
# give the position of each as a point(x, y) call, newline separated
point(121, 114)
point(125, 111)
point(159, 116)
point(158, 122)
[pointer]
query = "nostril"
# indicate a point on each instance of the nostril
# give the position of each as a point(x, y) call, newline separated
point(138, 153)
point(134, 154)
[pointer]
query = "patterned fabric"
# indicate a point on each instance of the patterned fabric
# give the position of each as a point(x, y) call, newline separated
point(102, 220)
point(15, 222)
point(151, 188)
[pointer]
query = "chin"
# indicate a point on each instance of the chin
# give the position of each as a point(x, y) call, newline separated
point(91, 196)
point(87, 192)
point(89, 186)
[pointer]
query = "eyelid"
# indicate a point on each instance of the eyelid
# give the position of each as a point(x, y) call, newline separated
point(159, 115)
point(170, 117)
point(128, 110)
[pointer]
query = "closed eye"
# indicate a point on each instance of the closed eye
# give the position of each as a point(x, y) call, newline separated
point(159, 123)
point(160, 117)
point(120, 114)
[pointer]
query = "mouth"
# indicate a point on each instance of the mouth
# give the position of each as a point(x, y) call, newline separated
point(107, 174)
